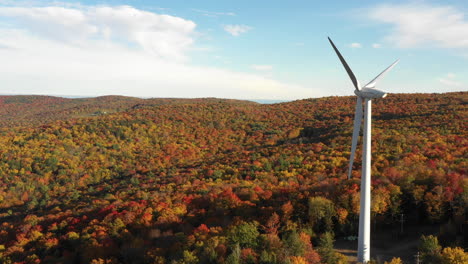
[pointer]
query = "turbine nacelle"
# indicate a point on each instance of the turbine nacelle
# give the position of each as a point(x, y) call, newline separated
point(370, 93)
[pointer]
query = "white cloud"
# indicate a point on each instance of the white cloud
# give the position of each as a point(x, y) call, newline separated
point(376, 45)
point(236, 30)
point(449, 80)
point(99, 50)
point(355, 45)
point(213, 14)
point(164, 36)
point(451, 75)
point(416, 25)
point(262, 67)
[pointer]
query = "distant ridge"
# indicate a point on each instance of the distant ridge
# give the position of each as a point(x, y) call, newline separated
point(270, 101)
point(33, 110)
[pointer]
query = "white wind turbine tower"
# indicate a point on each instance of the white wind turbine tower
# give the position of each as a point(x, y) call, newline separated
point(366, 93)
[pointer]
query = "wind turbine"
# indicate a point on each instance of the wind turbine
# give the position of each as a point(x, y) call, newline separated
point(364, 93)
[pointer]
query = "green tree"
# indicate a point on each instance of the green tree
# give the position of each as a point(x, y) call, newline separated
point(430, 249)
point(235, 256)
point(326, 251)
point(293, 243)
point(267, 257)
point(189, 257)
point(321, 213)
point(245, 234)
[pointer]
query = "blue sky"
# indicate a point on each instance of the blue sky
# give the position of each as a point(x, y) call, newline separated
point(230, 49)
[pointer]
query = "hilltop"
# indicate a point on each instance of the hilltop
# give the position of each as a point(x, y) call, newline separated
point(130, 180)
point(33, 110)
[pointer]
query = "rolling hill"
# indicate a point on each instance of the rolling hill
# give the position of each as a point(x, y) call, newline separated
point(127, 180)
point(33, 110)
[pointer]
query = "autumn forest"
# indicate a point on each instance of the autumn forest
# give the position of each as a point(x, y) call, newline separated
point(127, 180)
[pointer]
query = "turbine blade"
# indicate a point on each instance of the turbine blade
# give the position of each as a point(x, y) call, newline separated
point(348, 69)
point(357, 127)
point(372, 83)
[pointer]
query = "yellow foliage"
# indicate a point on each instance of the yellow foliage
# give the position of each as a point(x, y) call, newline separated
point(294, 133)
point(34, 235)
point(341, 259)
point(180, 209)
point(98, 261)
point(297, 260)
point(73, 235)
point(394, 261)
point(380, 199)
point(454, 256)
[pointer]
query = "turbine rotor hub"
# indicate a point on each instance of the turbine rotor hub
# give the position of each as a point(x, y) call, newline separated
point(370, 93)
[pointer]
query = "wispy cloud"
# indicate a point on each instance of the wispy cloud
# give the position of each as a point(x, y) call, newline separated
point(261, 67)
point(213, 14)
point(236, 30)
point(420, 24)
point(355, 45)
point(376, 45)
point(40, 3)
point(449, 80)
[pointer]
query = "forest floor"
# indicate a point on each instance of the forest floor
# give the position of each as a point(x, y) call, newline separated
point(404, 249)
point(389, 243)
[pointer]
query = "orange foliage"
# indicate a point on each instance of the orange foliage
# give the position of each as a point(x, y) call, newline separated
point(108, 178)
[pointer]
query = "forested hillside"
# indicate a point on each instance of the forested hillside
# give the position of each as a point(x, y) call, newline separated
point(126, 180)
point(33, 110)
